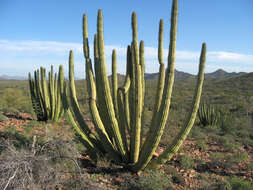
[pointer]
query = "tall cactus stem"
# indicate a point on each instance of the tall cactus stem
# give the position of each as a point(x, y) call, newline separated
point(159, 123)
point(177, 142)
point(106, 96)
point(114, 81)
point(137, 97)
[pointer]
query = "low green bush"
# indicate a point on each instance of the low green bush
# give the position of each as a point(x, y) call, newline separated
point(3, 118)
point(186, 162)
point(201, 145)
point(240, 184)
point(155, 180)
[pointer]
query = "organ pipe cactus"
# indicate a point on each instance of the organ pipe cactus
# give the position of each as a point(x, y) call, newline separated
point(117, 113)
point(46, 95)
point(208, 115)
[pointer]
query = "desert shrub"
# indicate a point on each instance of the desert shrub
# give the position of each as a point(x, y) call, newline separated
point(197, 133)
point(231, 147)
point(175, 176)
point(226, 122)
point(10, 129)
point(13, 98)
point(148, 180)
point(247, 141)
point(18, 140)
point(210, 182)
point(250, 166)
point(221, 140)
point(45, 166)
point(154, 180)
point(240, 184)
point(227, 161)
point(201, 145)
point(11, 110)
point(33, 123)
point(3, 118)
point(218, 159)
point(237, 157)
point(242, 133)
point(186, 162)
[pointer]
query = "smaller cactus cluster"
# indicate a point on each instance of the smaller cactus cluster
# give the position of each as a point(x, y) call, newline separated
point(208, 115)
point(46, 94)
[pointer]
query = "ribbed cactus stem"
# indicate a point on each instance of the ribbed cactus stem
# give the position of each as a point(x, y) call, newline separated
point(44, 87)
point(158, 124)
point(85, 37)
point(142, 63)
point(177, 142)
point(106, 94)
point(128, 81)
point(38, 87)
point(73, 99)
point(114, 81)
point(95, 114)
point(93, 151)
point(52, 92)
point(161, 77)
point(160, 42)
point(56, 113)
point(137, 96)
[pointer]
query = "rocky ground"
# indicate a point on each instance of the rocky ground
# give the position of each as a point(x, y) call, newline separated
point(194, 167)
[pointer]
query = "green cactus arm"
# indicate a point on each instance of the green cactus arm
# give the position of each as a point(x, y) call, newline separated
point(137, 116)
point(59, 86)
point(44, 87)
point(73, 100)
point(161, 78)
point(92, 150)
point(123, 104)
point(56, 91)
point(114, 81)
point(34, 99)
point(96, 67)
point(39, 94)
point(100, 102)
point(60, 83)
point(142, 63)
point(103, 136)
point(177, 142)
point(104, 84)
point(127, 84)
point(51, 92)
point(92, 91)
point(159, 123)
point(85, 38)
point(122, 119)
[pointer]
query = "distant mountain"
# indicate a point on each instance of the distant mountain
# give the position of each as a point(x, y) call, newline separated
point(179, 75)
point(220, 74)
point(6, 77)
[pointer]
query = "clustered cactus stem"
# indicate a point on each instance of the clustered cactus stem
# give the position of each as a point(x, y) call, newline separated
point(117, 113)
point(46, 95)
point(208, 115)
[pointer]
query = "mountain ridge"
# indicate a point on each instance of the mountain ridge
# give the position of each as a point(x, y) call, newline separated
point(219, 74)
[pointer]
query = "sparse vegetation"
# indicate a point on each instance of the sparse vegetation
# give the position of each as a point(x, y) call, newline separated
point(217, 154)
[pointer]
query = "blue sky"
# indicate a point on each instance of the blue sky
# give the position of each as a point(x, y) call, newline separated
point(41, 33)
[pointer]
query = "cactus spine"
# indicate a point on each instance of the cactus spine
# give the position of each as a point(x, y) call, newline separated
point(117, 114)
point(46, 95)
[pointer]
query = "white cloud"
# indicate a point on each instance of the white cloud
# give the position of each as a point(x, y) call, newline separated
point(24, 56)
